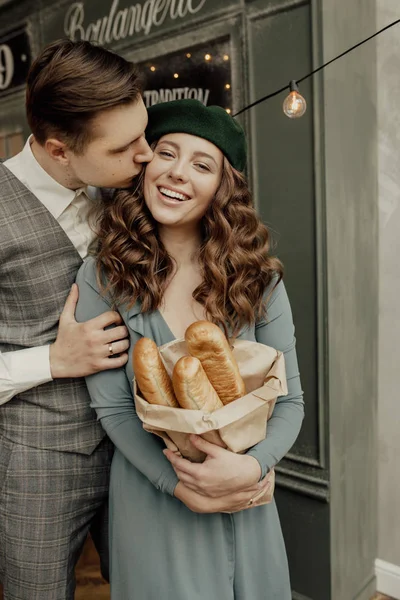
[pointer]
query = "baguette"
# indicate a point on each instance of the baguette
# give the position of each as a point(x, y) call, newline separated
point(192, 387)
point(151, 375)
point(207, 342)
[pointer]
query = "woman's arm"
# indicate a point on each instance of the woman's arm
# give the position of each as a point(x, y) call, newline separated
point(112, 398)
point(277, 331)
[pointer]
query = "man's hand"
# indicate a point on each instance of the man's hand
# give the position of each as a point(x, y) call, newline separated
point(222, 473)
point(84, 348)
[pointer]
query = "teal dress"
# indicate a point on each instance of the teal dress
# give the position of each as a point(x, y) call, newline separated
point(158, 547)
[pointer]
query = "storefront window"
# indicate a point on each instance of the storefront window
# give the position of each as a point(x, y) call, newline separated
point(201, 72)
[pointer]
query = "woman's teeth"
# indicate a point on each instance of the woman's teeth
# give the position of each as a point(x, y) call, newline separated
point(174, 195)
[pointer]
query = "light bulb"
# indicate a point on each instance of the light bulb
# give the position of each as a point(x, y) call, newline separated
point(294, 105)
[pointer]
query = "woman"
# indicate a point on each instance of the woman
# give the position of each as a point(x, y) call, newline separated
point(188, 245)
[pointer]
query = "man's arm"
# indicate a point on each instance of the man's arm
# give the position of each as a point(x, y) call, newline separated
point(80, 349)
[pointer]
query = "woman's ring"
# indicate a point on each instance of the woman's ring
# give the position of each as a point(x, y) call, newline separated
point(110, 349)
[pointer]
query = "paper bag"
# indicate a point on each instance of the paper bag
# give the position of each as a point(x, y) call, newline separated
point(237, 426)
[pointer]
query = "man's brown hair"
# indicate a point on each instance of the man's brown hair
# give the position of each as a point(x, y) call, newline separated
point(69, 83)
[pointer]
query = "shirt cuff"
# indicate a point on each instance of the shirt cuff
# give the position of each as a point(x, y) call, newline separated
point(29, 367)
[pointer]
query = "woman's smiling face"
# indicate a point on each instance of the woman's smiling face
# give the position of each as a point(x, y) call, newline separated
point(182, 179)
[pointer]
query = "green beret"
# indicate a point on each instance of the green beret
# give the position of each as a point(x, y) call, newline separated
point(209, 122)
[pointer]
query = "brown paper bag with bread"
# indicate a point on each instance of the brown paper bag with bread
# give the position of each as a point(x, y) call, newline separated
point(238, 425)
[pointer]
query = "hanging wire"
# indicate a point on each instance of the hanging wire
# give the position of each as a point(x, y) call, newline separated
point(286, 87)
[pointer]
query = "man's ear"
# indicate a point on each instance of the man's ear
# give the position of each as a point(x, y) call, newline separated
point(57, 150)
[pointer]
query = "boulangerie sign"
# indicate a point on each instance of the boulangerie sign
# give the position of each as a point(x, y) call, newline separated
point(120, 23)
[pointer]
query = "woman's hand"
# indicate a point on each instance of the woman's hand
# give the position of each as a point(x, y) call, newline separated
point(202, 504)
point(222, 473)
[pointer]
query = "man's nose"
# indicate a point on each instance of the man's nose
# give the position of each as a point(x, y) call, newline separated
point(145, 153)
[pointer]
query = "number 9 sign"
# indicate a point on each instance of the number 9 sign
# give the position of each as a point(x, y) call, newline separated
point(6, 66)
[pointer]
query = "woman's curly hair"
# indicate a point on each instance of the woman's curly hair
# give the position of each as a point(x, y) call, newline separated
point(233, 256)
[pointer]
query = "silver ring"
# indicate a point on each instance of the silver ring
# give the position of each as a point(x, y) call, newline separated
point(251, 501)
point(110, 349)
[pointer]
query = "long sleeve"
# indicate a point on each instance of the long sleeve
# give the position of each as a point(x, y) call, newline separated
point(112, 398)
point(22, 370)
point(277, 331)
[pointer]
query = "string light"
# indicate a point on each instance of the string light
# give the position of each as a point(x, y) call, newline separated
point(227, 86)
point(176, 75)
point(226, 56)
point(188, 55)
point(294, 105)
point(152, 68)
point(315, 70)
point(207, 57)
point(228, 110)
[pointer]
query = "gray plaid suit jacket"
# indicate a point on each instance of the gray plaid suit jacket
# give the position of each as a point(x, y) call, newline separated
point(38, 264)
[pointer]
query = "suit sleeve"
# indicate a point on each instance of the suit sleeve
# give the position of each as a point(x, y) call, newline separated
point(112, 398)
point(277, 331)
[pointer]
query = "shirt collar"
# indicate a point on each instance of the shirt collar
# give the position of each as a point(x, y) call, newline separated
point(55, 197)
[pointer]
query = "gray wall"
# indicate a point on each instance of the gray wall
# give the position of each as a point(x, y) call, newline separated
point(389, 320)
point(350, 150)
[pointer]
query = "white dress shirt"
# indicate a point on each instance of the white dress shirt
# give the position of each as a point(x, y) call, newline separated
point(21, 370)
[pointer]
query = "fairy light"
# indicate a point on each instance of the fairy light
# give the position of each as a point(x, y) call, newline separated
point(226, 57)
point(207, 57)
point(176, 75)
point(228, 110)
point(188, 55)
point(152, 68)
point(296, 82)
point(294, 105)
point(227, 86)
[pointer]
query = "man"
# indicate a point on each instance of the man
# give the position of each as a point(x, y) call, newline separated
point(87, 117)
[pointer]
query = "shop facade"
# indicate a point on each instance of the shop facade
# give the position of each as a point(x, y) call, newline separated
point(232, 52)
